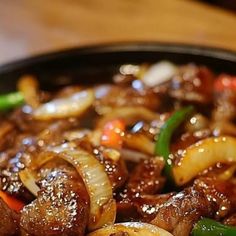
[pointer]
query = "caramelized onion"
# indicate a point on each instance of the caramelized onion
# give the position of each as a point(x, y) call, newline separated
point(29, 88)
point(131, 229)
point(102, 204)
point(27, 178)
point(228, 174)
point(129, 115)
point(71, 106)
point(140, 143)
point(202, 155)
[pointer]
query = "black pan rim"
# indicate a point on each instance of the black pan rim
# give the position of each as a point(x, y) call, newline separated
point(137, 46)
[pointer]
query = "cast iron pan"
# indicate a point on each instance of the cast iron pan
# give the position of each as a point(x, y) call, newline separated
point(98, 63)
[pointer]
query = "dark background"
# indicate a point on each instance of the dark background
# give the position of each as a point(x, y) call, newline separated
point(228, 4)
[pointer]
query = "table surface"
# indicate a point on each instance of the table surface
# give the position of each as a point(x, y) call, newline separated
point(29, 27)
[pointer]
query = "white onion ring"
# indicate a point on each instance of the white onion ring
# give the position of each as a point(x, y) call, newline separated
point(159, 73)
point(102, 204)
point(66, 107)
point(28, 180)
point(203, 154)
point(133, 229)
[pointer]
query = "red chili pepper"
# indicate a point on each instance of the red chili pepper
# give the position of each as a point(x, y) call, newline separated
point(225, 82)
point(112, 133)
point(12, 202)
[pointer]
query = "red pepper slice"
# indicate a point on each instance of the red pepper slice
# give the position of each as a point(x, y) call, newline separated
point(112, 133)
point(225, 82)
point(12, 202)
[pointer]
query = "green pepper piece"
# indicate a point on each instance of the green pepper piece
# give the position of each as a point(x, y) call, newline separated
point(162, 147)
point(208, 227)
point(11, 100)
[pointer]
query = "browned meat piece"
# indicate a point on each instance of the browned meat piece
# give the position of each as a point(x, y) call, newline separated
point(126, 211)
point(11, 183)
point(225, 106)
point(221, 192)
point(117, 96)
point(27, 144)
point(115, 169)
point(25, 149)
point(15, 160)
point(137, 201)
point(146, 178)
point(61, 208)
point(52, 135)
point(193, 84)
point(187, 205)
point(231, 220)
point(207, 197)
point(9, 223)
point(147, 205)
point(7, 134)
point(150, 129)
point(142, 208)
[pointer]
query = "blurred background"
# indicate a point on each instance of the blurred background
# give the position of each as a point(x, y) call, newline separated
point(29, 27)
point(228, 4)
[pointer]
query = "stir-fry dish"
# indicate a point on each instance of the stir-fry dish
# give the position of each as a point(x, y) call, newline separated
point(151, 153)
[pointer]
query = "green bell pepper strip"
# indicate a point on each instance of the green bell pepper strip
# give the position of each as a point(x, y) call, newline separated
point(208, 227)
point(11, 100)
point(162, 147)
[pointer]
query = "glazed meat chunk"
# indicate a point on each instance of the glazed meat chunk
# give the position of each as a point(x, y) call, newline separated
point(193, 84)
point(9, 223)
point(61, 208)
point(206, 198)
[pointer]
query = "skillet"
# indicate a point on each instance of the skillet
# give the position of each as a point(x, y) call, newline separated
point(97, 64)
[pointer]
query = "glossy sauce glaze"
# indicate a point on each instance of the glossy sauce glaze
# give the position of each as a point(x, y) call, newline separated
point(158, 146)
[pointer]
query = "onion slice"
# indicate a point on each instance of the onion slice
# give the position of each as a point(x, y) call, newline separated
point(159, 73)
point(102, 204)
point(228, 173)
point(202, 155)
point(129, 115)
point(29, 88)
point(66, 107)
point(28, 180)
point(139, 142)
point(131, 229)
